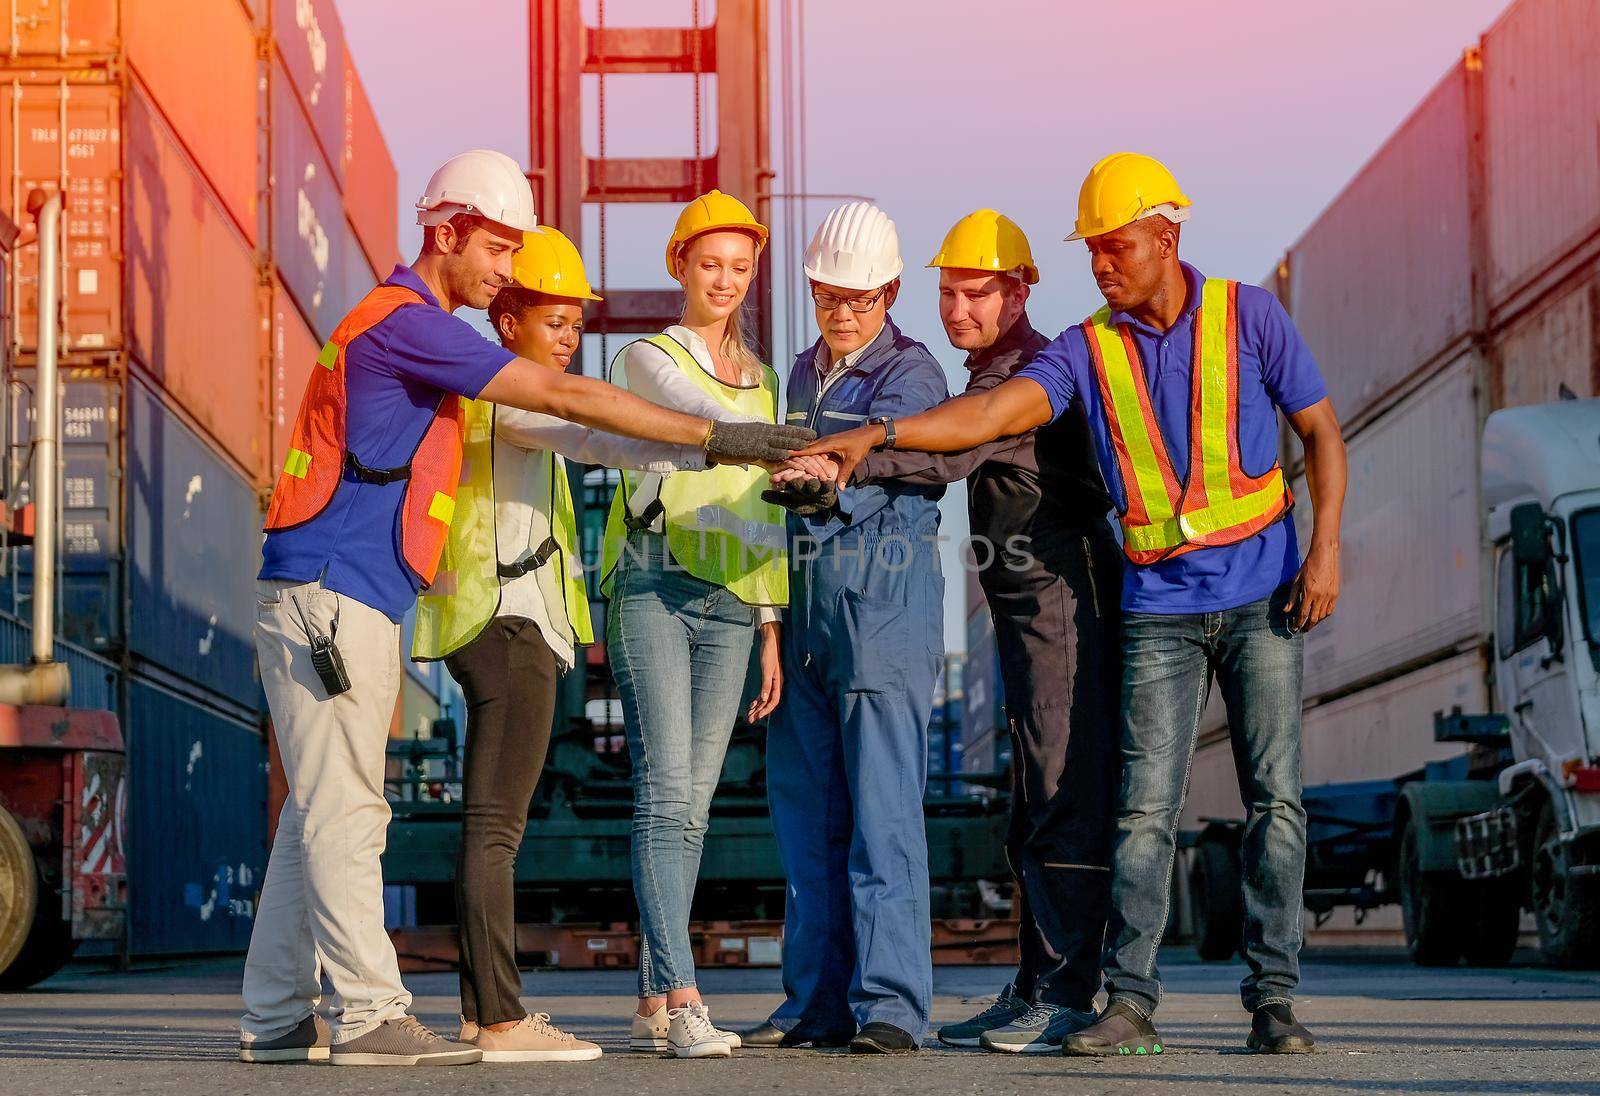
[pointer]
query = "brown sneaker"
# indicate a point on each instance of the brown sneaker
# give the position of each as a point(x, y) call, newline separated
point(402, 1042)
point(535, 1039)
point(1119, 1031)
point(308, 1042)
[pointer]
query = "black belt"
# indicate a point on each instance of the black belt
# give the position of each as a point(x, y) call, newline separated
point(379, 476)
point(532, 562)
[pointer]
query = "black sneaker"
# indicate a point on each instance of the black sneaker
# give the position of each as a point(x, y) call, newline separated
point(1120, 1031)
point(1274, 1030)
point(308, 1042)
point(878, 1038)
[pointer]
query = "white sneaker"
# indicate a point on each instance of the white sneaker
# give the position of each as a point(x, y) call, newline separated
point(729, 1037)
point(649, 1033)
point(690, 1034)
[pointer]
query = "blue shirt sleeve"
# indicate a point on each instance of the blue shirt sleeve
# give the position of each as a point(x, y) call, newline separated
point(1054, 369)
point(1288, 371)
point(424, 343)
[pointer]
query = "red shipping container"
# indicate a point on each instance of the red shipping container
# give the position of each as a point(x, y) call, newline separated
point(294, 352)
point(192, 292)
point(72, 131)
point(209, 94)
point(371, 185)
point(59, 29)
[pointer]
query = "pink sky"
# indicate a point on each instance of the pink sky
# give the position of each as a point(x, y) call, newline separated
point(936, 108)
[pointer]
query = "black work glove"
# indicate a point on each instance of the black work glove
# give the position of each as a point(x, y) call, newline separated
point(805, 496)
point(750, 442)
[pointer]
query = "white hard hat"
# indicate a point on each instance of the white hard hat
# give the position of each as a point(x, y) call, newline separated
point(484, 182)
point(855, 247)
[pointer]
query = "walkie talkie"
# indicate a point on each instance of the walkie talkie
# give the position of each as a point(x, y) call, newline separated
point(325, 657)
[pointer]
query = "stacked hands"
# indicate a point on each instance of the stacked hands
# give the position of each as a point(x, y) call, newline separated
point(805, 483)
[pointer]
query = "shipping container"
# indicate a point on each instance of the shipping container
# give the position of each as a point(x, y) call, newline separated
point(1382, 281)
point(371, 186)
point(983, 716)
point(73, 130)
point(194, 549)
point(310, 234)
point(1541, 64)
point(1554, 349)
point(310, 42)
point(193, 292)
point(197, 820)
point(94, 679)
point(61, 30)
point(1410, 554)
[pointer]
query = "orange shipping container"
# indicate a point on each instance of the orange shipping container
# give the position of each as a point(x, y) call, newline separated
point(43, 30)
point(74, 131)
point(193, 306)
point(294, 352)
point(371, 186)
point(209, 94)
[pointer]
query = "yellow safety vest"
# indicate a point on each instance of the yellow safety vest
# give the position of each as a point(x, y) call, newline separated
point(717, 526)
point(465, 595)
point(1219, 504)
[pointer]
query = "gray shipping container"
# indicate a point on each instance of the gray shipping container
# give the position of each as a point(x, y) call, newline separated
point(1541, 63)
point(194, 548)
point(1382, 280)
point(197, 824)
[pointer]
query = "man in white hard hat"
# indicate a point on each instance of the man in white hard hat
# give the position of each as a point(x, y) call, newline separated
point(847, 751)
point(1048, 563)
point(1184, 378)
point(356, 525)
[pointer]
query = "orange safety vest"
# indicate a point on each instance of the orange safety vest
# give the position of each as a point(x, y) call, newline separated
point(1219, 503)
point(319, 452)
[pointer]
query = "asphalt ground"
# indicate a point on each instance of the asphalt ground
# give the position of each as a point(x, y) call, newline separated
point(1383, 1026)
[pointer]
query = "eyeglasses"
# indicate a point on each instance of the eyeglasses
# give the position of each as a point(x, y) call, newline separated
point(829, 301)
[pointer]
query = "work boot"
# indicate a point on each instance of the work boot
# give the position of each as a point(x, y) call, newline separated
point(308, 1042)
point(650, 1032)
point(1119, 1031)
point(402, 1042)
point(880, 1038)
point(1040, 1030)
point(534, 1039)
point(1274, 1030)
point(690, 1034)
point(1006, 1008)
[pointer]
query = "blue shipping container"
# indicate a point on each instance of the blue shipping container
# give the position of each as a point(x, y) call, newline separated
point(310, 235)
point(197, 824)
point(310, 42)
point(94, 680)
point(194, 547)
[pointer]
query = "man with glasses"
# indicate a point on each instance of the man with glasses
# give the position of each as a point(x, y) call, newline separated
point(847, 751)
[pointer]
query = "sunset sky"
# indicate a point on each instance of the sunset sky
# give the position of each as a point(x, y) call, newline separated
point(1263, 109)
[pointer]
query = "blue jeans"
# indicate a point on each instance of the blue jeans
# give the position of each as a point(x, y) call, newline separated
point(680, 650)
point(1168, 664)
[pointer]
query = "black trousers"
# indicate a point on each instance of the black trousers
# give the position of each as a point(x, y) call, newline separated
point(508, 675)
point(1056, 626)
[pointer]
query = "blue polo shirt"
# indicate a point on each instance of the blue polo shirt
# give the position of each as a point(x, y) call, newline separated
point(396, 374)
point(1276, 372)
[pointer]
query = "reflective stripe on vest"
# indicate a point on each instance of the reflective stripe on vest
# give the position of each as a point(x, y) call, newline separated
point(466, 595)
point(717, 526)
point(1219, 504)
point(319, 445)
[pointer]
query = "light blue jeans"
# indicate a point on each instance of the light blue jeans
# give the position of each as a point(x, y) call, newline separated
point(680, 651)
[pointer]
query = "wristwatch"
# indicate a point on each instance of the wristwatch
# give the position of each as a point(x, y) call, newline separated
point(888, 430)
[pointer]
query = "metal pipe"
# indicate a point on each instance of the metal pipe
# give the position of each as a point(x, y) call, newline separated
point(46, 427)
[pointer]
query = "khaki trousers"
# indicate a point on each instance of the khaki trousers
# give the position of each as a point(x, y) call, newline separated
point(321, 908)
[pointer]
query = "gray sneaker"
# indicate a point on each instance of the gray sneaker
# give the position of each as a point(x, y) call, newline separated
point(308, 1042)
point(1006, 1008)
point(402, 1042)
point(1040, 1030)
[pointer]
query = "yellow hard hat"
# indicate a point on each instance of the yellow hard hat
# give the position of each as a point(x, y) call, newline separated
point(987, 240)
point(712, 212)
point(1124, 187)
point(549, 263)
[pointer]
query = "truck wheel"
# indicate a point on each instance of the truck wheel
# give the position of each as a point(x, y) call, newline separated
point(1215, 901)
point(1428, 904)
point(1493, 917)
point(19, 889)
point(1566, 907)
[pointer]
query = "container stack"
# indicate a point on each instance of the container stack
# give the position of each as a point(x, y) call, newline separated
point(228, 195)
point(1457, 273)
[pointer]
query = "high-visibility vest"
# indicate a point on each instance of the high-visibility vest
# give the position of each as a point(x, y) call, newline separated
point(1218, 503)
point(718, 528)
point(465, 595)
point(319, 449)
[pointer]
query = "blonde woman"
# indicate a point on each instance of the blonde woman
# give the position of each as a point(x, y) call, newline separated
point(696, 573)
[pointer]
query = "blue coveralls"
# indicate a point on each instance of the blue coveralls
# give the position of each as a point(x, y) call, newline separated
point(847, 750)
